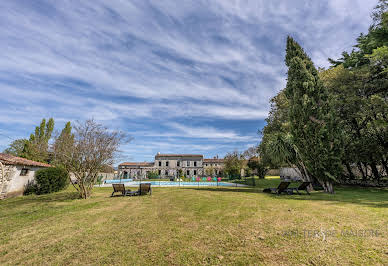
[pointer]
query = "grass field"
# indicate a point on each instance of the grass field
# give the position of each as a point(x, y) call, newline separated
point(196, 226)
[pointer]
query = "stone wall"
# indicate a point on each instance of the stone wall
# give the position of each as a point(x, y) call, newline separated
point(12, 183)
point(6, 174)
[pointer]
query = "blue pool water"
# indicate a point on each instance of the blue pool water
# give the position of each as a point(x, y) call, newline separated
point(172, 183)
point(114, 181)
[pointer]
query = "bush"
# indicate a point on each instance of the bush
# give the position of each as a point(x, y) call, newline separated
point(261, 170)
point(50, 180)
point(153, 175)
point(259, 166)
point(29, 188)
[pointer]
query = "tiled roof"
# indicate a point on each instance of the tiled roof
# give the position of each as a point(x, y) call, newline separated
point(10, 159)
point(137, 164)
point(178, 155)
point(213, 160)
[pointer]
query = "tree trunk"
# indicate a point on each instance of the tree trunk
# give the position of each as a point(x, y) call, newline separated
point(327, 186)
point(349, 168)
point(385, 165)
point(366, 167)
point(359, 165)
point(83, 191)
point(306, 176)
point(375, 171)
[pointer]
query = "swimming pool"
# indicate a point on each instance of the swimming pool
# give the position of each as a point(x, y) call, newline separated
point(172, 183)
point(114, 181)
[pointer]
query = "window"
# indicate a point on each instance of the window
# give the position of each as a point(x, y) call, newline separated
point(166, 172)
point(24, 172)
point(195, 163)
point(160, 172)
point(178, 163)
point(188, 163)
point(160, 163)
point(195, 172)
point(188, 172)
point(167, 163)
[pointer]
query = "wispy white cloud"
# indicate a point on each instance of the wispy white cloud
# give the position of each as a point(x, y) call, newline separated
point(208, 133)
point(136, 65)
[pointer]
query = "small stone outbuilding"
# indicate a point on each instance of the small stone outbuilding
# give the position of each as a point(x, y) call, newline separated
point(15, 173)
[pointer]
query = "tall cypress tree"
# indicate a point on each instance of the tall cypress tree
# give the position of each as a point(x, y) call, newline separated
point(36, 148)
point(62, 142)
point(313, 123)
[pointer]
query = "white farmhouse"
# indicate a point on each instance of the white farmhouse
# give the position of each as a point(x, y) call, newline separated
point(15, 173)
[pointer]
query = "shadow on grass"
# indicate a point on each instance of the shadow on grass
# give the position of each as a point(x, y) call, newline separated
point(45, 198)
point(371, 197)
point(223, 189)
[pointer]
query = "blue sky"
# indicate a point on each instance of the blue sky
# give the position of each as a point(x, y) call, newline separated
point(178, 76)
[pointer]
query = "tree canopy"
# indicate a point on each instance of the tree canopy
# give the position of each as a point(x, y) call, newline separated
point(36, 148)
point(332, 124)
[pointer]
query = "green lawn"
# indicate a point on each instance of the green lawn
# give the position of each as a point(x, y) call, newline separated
point(196, 226)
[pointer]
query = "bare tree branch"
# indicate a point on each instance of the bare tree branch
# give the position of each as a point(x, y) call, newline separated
point(88, 152)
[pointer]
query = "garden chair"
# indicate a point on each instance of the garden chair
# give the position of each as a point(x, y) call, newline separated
point(144, 189)
point(283, 187)
point(303, 186)
point(120, 188)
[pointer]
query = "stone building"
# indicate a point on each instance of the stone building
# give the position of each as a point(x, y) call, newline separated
point(213, 167)
point(135, 170)
point(171, 166)
point(15, 173)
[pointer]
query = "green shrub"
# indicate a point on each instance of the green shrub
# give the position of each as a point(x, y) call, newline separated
point(261, 170)
point(50, 180)
point(153, 175)
point(29, 188)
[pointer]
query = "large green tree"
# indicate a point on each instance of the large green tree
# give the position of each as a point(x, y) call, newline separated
point(313, 120)
point(233, 164)
point(359, 81)
point(61, 144)
point(303, 125)
point(16, 147)
point(363, 120)
point(376, 37)
point(36, 147)
point(277, 148)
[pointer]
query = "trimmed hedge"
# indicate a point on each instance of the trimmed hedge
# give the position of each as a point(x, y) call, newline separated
point(50, 180)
